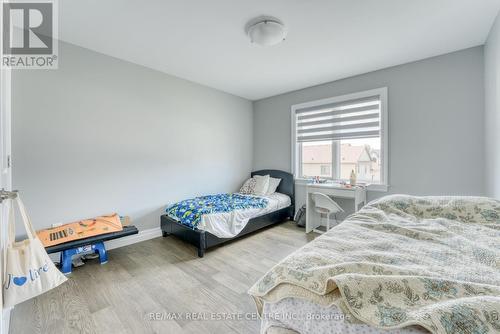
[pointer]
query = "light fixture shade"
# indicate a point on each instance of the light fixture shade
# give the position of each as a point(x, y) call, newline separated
point(266, 32)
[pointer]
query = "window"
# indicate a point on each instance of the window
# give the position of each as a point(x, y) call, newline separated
point(317, 159)
point(336, 136)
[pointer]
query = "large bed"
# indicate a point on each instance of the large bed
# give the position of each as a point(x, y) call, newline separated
point(216, 229)
point(401, 264)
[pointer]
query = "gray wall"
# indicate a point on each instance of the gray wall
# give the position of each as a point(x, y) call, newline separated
point(102, 135)
point(436, 109)
point(492, 114)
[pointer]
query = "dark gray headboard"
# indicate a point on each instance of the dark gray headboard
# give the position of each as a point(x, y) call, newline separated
point(286, 185)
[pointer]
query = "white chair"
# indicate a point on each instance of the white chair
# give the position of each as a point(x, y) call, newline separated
point(324, 204)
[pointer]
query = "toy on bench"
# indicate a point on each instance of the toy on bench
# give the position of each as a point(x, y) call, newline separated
point(93, 244)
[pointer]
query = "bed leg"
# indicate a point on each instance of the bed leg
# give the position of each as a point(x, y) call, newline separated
point(201, 252)
point(164, 234)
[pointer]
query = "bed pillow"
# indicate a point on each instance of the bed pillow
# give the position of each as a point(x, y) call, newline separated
point(248, 187)
point(255, 186)
point(273, 184)
point(261, 185)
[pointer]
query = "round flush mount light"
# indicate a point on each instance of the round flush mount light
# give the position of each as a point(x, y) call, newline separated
point(266, 31)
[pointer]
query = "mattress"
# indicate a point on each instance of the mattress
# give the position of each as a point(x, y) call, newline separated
point(305, 317)
point(230, 224)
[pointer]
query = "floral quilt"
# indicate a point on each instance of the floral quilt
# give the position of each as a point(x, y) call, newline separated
point(190, 211)
point(400, 261)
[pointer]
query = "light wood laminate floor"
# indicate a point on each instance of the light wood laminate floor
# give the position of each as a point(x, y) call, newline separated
point(162, 278)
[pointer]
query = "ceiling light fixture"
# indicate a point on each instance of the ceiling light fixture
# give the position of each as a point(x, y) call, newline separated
point(266, 31)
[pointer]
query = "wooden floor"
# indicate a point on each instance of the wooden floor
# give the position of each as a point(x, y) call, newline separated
point(163, 279)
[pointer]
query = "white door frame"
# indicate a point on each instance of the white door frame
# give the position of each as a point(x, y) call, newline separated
point(5, 174)
point(5, 130)
point(5, 167)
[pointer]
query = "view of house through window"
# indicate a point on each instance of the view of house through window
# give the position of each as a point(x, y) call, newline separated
point(362, 156)
point(336, 159)
point(317, 159)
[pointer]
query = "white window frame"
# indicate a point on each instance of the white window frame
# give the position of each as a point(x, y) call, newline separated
point(384, 135)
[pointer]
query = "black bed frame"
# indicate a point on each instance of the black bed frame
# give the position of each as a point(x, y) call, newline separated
point(204, 240)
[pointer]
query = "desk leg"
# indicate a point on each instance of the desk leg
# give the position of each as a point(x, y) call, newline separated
point(358, 201)
point(312, 219)
point(309, 213)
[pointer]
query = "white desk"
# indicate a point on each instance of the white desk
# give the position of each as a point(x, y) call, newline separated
point(358, 194)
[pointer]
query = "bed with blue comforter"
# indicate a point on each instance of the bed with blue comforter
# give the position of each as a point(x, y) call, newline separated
point(187, 219)
point(190, 211)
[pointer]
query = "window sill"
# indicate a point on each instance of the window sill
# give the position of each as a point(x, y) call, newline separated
point(370, 187)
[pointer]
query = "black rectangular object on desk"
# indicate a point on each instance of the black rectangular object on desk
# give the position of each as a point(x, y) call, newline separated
point(127, 230)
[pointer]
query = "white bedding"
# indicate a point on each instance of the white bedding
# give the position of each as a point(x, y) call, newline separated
point(230, 224)
point(306, 317)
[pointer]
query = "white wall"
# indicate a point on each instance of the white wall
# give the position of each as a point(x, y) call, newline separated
point(492, 114)
point(436, 109)
point(103, 135)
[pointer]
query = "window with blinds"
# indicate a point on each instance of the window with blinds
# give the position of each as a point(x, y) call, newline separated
point(358, 118)
point(336, 136)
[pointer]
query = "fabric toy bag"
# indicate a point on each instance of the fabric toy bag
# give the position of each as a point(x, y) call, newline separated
point(28, 270)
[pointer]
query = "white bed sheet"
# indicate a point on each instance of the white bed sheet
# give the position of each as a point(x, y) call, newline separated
point(230, 224)
point(306, 317)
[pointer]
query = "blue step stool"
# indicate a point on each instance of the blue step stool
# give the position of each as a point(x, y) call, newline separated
point(93, 244)
point(67, 255)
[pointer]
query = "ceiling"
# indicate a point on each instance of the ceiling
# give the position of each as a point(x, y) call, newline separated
point(204, 41)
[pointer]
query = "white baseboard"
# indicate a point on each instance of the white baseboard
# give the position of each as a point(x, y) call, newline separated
point(143, 235)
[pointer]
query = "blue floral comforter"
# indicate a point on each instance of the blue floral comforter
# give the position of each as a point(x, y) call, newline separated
point(190, 211)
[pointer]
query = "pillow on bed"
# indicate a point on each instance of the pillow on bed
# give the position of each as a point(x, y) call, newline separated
point(273, 184)
point(255, 186)
point(262, 185)
point(248, 187)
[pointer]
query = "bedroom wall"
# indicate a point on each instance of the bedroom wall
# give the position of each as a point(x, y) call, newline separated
point(436, 111)
point(102, 135)
point(492, 114)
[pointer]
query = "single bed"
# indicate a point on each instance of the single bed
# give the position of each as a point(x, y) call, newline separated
point(219, 228)
point(402, 264)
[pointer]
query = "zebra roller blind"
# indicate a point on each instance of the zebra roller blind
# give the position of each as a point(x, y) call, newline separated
point(357, 118)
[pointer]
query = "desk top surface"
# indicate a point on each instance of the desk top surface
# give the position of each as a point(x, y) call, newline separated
point(335, 186)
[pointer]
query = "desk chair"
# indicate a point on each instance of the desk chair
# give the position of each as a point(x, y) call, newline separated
point(326, 205)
